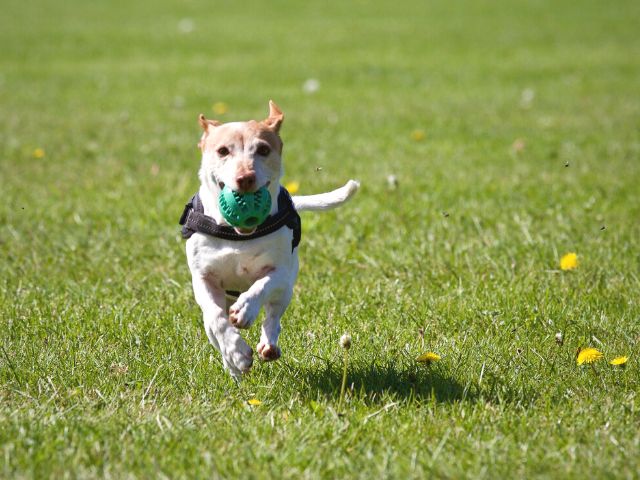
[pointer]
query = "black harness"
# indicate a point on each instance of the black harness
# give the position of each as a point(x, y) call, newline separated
point(194, 220)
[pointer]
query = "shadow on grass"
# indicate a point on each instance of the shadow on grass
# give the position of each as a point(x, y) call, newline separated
point(372, 381)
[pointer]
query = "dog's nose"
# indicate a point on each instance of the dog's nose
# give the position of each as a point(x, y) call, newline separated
point(246, 182)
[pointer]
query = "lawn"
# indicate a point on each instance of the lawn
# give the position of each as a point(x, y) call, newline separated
point(513, 132)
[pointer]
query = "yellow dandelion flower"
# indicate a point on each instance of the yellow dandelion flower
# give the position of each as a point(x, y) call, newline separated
point(418, 135)
point(292, 187)
point(254, 402)
point(38, 153)
point(588, 355)
point(619, 361)
point(569, 261)
point(428, 357)
point(220, 108)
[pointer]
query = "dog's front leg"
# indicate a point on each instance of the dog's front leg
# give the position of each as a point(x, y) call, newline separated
point(245, 310)
point(237, 356)
point(274, 291)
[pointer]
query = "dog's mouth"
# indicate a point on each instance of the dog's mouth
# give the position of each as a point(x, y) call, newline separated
point(241, 230)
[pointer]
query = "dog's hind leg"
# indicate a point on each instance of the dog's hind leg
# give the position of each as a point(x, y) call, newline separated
point(237, 356)
point(268, 348)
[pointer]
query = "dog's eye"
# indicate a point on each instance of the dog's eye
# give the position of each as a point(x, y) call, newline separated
point(263, 150)
point(223, 151)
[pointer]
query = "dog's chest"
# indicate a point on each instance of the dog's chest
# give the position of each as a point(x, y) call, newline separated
point(235, 265)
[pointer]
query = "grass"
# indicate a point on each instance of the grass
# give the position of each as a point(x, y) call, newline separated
point(530, 113)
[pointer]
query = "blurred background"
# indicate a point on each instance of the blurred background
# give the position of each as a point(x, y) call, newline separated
point(123, 81)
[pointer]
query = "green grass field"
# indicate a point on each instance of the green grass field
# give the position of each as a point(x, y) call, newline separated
point(513, 129)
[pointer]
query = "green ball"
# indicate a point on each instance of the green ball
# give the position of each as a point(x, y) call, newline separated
point(245, 210)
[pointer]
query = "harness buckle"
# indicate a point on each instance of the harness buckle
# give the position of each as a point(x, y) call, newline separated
point(185, 213)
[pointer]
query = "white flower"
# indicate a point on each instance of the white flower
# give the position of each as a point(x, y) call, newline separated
point(345, 341)
point(312, 85)
point(186, 25)
point(526, 98)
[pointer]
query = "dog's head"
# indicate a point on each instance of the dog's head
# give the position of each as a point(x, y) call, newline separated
point(244, 156)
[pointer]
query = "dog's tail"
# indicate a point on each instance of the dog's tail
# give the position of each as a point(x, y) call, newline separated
point(328, 200)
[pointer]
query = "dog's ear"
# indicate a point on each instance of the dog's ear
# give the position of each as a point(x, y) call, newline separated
point(276, 117)
point(205, 123)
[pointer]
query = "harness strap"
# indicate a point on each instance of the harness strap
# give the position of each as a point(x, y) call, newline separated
point(194, 220)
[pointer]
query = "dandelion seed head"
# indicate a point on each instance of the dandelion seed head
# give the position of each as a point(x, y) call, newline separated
point(186, 25)
point(345, 341)
point(311, 85)
point(526, 97)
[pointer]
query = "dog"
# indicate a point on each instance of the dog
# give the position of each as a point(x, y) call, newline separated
point(237, 271)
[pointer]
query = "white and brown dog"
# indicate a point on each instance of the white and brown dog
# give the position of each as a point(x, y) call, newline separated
point(260, 268)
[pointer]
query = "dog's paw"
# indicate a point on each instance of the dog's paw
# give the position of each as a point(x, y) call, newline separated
point(237, 355)
point(244, 312)
point(268, 352)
